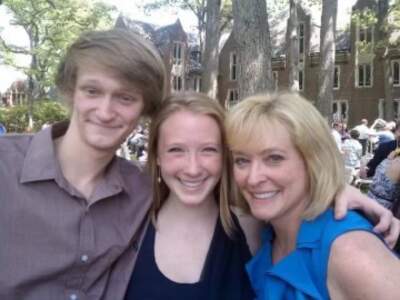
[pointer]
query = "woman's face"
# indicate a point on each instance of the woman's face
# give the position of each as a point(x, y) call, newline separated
point(190, 156)
point(272, 176)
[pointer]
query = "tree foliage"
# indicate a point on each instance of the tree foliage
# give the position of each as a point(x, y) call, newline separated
point(15, 118)
point(50, 26)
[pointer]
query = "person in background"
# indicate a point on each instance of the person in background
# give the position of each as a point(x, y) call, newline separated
point(385, 186)
point(3, 129)
point(336, 133)
point(380, 154)
point(288, 171)
point(365, 133)
point(383, 132)
point(352, 152)
point(72, 213)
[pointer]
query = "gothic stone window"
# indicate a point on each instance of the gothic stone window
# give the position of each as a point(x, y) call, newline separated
point(178, 53)
point(364, 75)
point(233, 66)
point(396, 72)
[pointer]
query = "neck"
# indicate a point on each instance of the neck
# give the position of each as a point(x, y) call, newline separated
point(286, 230)
point(81, 165)
point(285, 240)
point(180, 213)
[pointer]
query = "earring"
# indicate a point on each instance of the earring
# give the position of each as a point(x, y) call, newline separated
point(159, 175)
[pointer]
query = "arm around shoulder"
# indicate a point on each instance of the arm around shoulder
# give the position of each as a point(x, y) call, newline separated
point(362, 267)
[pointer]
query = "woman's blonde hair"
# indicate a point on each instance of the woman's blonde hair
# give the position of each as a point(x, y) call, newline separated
point(201, 104)
point(309, 133)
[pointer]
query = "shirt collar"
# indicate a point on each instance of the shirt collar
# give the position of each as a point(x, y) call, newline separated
point(292, 268)
point(41, 164)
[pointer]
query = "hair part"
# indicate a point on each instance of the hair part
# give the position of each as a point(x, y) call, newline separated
point(134, 59)
point(200, 104)
point(309, 133)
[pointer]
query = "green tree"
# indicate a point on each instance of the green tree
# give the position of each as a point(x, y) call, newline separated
point(50, 26)
point(15, 118)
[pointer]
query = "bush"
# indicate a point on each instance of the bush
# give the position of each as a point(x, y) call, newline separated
point(15, 118)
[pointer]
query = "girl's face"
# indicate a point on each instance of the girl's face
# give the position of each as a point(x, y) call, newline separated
point(190, 156)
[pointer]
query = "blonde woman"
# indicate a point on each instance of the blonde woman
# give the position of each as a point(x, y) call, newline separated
point(288, 170)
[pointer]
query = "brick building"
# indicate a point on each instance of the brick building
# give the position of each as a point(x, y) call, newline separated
point(359, 80)
point(178, 50)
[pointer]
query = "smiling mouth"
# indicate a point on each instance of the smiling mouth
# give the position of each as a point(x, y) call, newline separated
point(264, 196)
point(192, 184)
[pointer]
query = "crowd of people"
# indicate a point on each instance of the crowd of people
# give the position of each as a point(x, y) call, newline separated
point(79, 222)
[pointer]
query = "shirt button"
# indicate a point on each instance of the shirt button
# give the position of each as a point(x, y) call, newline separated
point(73, 297)
point(84, 258)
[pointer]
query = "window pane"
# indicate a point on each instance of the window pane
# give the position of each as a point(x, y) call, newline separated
point(334, 107)
point(301, 80)
point(362, 34)
point(396, 73)
point(369, 35)
point(361, 75)
point(336, 78)
point(367, 75)
point(343, 108)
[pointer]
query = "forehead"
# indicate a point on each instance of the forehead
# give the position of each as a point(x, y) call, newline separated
point(267, 135)
point(97, 74)
point(186, 125)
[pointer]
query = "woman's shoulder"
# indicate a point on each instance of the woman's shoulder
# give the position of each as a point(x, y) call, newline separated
point(353, 220)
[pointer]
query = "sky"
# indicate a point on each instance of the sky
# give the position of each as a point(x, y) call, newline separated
point(129, 8)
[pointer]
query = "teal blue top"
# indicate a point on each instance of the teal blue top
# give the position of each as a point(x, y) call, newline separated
point(303, 273)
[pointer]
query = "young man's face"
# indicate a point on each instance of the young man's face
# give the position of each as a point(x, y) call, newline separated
point(105, 109)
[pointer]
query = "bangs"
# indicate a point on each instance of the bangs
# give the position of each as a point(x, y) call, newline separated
point(248, 131)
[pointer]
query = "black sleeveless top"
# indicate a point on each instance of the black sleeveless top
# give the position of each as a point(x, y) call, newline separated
point(223, 276)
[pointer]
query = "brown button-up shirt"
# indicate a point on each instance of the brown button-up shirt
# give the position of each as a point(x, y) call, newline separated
point(53, 245)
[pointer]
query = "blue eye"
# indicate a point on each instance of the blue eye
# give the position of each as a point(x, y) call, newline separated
point(240, 161)
point(275, 158)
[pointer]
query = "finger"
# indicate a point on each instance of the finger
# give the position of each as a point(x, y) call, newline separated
point(340, 210)
point(393, 233)
point(384, 218)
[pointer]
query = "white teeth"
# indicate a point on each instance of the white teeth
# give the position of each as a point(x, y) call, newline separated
point(264, 195)
point(192, 184)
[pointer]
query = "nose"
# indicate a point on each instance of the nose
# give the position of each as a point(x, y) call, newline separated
point(256, 174)
point(105, 111)
point(193, 165)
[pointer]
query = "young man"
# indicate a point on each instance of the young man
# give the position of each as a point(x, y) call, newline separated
point(72, 213)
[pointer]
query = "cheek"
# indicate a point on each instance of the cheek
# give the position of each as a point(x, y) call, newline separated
point(239, 177)
point(214, 165)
